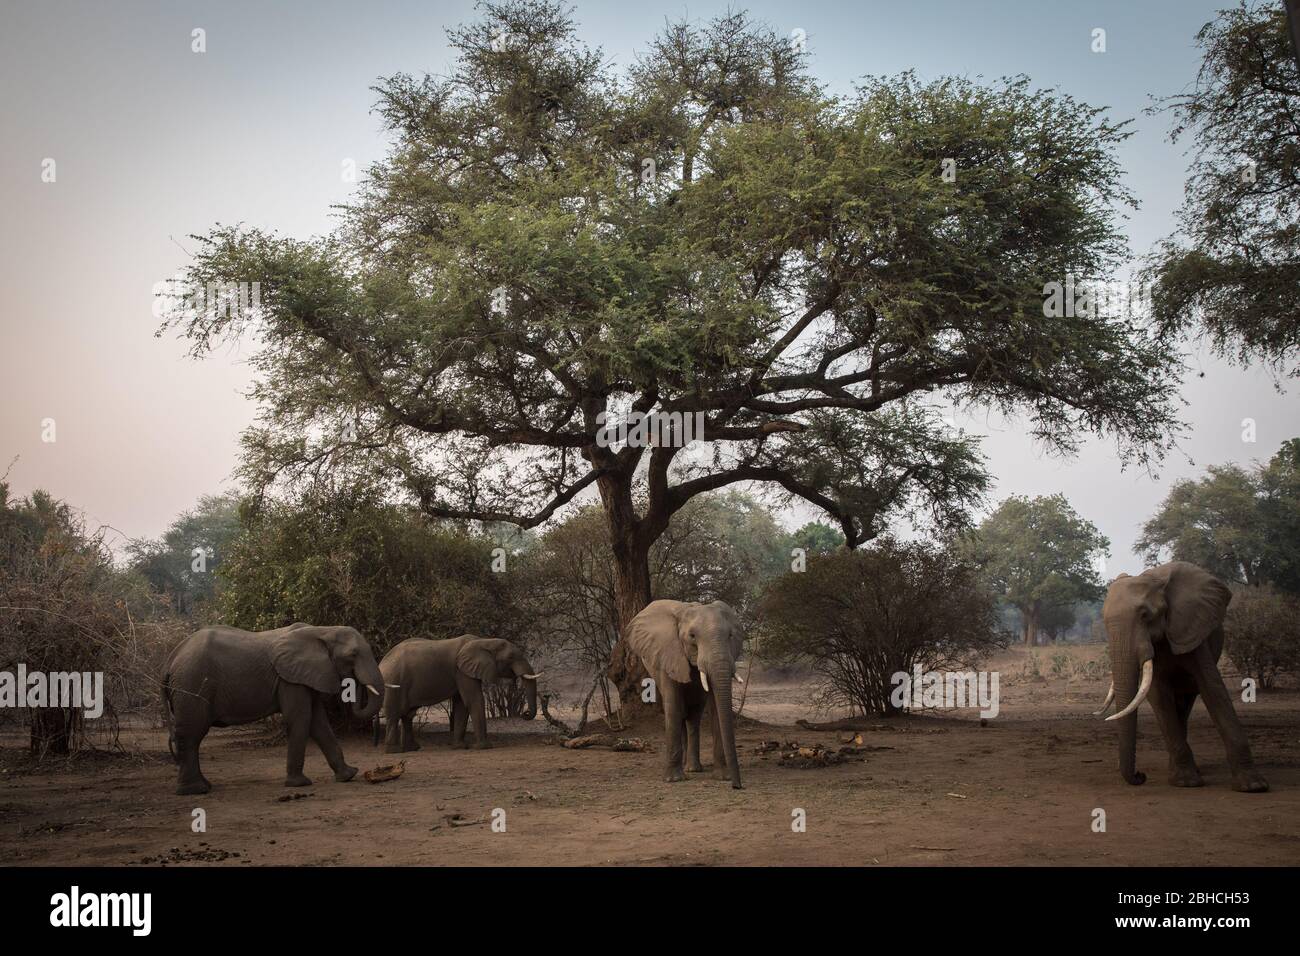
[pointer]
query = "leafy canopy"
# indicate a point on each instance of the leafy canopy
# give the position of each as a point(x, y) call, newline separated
point(1233, 272)
point(709, 231)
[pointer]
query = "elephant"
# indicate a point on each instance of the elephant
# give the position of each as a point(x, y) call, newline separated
point(420, 672)
point(691, 649)
point(1165, 632)
point(220, 676)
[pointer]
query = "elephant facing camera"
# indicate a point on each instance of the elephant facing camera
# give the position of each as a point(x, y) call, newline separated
point(691, 651)
point(1165, 633)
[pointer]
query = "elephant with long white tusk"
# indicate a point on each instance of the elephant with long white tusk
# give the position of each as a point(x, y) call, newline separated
point(221, 676)
point(1165, 630)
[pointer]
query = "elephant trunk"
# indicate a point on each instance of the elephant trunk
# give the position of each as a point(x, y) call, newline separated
point(370, 678)
point(720, 682)
point(530, 698)
point(1127, 658)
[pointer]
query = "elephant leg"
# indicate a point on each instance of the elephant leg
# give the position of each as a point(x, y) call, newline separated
point(191, 721)
point(329, 744)
point(1218, 702)
point(1182, 768)
point(459, 721)
point(693, 764)
point(478, 710)
point(189, 778)
point(393, 731)
point(675, 726)
point(720, 769)
point(408, 731)
point(296, 706)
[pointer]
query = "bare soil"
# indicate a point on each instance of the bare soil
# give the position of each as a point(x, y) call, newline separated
point(948, 791)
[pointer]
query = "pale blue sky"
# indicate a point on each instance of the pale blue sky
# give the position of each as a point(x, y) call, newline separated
point(153, 142)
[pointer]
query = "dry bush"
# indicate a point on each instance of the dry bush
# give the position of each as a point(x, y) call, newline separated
point(859, 617)
point(64, 607)
point(1263, 633)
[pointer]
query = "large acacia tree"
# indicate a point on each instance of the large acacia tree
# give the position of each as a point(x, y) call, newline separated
point(708, 232)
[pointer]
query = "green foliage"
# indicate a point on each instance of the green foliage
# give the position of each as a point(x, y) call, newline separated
point(1263, 633)
point(1279, 484)
point(1241, 524)
point(346, 557)
point(168, 563)
point(1233, 274)
point(814, 537)
point(858, 617)
point(718, 548)
point(1040, 557)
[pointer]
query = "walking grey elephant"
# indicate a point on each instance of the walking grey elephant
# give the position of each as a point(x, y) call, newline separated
point(420, 672)
point(1165, 630)
point(691, 651)
point(221, 676)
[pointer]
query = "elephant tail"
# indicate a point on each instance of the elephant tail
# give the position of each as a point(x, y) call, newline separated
point(168, 716)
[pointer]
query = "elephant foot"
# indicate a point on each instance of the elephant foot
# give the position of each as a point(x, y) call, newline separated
point(193, 786)
point(720, 772)
point(394, 748)
point(297, 780)
point(459, 745)
point(674, 775)
point(345, 773)
point(1185, 777)
point(1137, 779)
point(697, 767)
point(735, 785)
point(411, 745)
point(483, 745)
point(1248, 781)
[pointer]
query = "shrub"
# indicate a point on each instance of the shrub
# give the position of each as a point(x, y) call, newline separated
point(346, 557)
point(859, 617)
point(1263, 633)
point(64, 607)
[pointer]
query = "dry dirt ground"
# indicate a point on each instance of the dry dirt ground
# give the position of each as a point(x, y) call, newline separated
point(943, 790)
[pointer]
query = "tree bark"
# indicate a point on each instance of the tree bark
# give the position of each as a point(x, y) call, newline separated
point(1030, 615)
point(630, 545)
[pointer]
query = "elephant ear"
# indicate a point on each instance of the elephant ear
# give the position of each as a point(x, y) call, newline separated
point(475, 659)
point(654, 636)
point(300, 656)
point(1197, 603)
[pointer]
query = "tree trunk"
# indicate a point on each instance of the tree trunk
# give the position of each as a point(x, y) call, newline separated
point(630, 544)
point(1031, 625)
point(52, 730)
point(631, 594)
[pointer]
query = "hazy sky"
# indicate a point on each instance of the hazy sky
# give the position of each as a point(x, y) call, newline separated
point(153, 142)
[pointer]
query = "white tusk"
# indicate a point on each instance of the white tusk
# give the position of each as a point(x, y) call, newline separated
point(738, 678)
point(704, 679)
point(1110, 695)
point(392, 685)
point(1145, 686)
point(372, 690)
point(534, 676)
